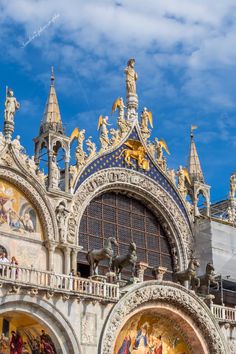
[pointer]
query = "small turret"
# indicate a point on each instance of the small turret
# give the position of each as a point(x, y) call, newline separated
point(52, 138)
point(198, 186)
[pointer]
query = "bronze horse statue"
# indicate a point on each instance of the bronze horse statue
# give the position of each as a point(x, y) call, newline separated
point(95, 256)
point(119, 262)
point(190, 275)
point(207, 280)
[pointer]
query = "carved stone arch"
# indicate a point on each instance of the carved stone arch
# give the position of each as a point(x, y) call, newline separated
point(201, 191)
point(50, 316)
point(36, 196)
point(148, 191)
point(169, 299)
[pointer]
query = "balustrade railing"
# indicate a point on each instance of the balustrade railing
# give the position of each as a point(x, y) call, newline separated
point(224, 313)
point(45, 279)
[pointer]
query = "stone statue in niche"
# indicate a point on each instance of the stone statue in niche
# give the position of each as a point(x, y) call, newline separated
point(61, 215)
point(55, 174)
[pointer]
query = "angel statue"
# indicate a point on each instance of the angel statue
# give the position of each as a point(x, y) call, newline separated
point(131, 77)
point(122, 122)
point(11, 106)
point(91, 146)
point(183, 176)
point(146, 119)
point(102, 127)
point(80, 155)
point(232, 185)
point(160, 145)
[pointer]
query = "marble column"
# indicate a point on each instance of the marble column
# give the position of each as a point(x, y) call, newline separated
point(140, 268)
point(51, 249)
point(159, 272)
point(74, 253)
point(67, 260)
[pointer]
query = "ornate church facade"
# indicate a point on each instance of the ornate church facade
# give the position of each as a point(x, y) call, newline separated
point(112, 254)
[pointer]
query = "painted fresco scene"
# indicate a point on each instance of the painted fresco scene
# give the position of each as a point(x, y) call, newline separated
point(150, 333)
point(22, 334)
point(17, 215)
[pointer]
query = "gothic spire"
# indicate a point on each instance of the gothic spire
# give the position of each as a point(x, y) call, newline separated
point(52, 118)
point(194, 167)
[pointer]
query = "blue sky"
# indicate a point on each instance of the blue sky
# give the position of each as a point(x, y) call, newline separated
point(185, 56)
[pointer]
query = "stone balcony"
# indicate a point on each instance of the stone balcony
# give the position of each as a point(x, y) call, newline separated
point(224, 313)
point(35, 280)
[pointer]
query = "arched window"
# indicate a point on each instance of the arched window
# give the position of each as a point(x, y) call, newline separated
point(126, 219)
point(3, 250)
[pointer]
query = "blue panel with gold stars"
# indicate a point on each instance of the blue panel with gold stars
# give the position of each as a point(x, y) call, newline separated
point(116, 159)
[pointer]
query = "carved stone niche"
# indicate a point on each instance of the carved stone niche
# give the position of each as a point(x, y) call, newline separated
point(188, 312)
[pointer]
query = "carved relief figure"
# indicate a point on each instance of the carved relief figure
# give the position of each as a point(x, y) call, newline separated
point(131, 77)
point(102, 127)
point(61, 215)
point(11, 106)
point(232, 185)
point(80, 154)
point(91, 146)
point(115, 137)
point(55, 174)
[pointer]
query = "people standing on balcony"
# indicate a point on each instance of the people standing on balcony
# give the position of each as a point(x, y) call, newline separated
point(3, 259)
point(14, 270)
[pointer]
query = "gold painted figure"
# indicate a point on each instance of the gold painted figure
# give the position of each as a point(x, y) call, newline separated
point(183, 176)
point(137, 152)
point(131, 77)
point(123, 124)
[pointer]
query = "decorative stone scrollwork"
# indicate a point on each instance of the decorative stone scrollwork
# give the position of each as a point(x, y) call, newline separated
point(154, 294)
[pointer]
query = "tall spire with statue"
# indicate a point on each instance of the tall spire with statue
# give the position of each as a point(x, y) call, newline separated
point(52, 138)
point(198, 186)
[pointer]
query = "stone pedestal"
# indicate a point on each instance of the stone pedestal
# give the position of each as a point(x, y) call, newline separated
point(140, 269)
point(159, 272)
point(132, 107)
point(8, 130)
point(111, 277)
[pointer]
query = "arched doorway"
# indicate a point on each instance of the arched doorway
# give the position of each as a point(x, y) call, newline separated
point(127, 219)
point(153, 314)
